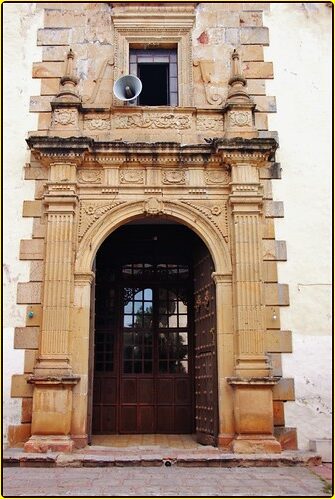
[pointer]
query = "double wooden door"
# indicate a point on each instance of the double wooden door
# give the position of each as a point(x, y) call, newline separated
point(154, 344)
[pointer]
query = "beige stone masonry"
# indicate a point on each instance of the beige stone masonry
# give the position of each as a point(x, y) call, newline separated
point(29, 292)
point(18, 434)
point(56, 54)
point(270, 273)
point(32, 249)
point(274, 209)
point(274, 250)
point(39, 228)
point(20, 387)
point(276, 294)
point(276, 361)
point(34, 171)
point(44, 121)
point(267, 189)
point(265, 104)
point(261, 121)
point(36, 270)
point(40, 104)
point(271, 172)
point(52, 70)
point(27, 407)
point(284, 390)
point(262, 70)
point(252, 53)
point(36, 318)
point(251, 19)
point(30, 358)
point(49, 86)
point(254, 36)
point(256, 87)
point(58, 18)
point(26, 337)
point(39, 190)
point(272, 317)
point(278, 341)
point(278, 413)
point(32, 209)
point(54, 36)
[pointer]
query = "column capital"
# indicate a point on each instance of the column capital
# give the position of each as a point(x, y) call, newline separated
point(83, 278)
point(221, 278)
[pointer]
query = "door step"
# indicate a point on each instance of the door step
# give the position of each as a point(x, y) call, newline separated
point(100, 457)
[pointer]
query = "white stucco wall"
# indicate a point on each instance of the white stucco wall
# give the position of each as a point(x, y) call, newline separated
point(300, 47)
point(20, 24)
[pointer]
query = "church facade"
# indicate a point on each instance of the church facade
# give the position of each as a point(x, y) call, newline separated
point(153, 302)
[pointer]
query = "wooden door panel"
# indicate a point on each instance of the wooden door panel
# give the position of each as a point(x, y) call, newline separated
point(108, 390)
point(206, 405)
point(145, 391)
point(165, 419)
point(128, 391)
point(146, 419)
point(128, 419)
point(182, 391)
point(164, 391)
point(183, 419)
point(108, 419)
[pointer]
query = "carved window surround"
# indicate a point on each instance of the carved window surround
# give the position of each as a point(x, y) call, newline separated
point(166, 26)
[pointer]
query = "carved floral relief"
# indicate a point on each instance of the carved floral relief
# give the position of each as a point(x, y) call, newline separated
point(239, 118)
point(90, 211)
point(64, 117)
point(149, 120)
point(90, 176)
point(129, 176)
point(173, 177)
point(217, 177)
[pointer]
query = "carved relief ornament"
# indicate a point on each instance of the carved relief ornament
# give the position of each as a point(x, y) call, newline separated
point(240, 118)
point(90, 176)
point(129, 176)
point(64, 117)
point(148, 120)
point(91, 211)
point(220, 177)
point(153, 206)
point(173, 177)
point(217, 214)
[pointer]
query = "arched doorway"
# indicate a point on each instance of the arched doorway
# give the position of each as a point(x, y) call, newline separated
point(154, 363)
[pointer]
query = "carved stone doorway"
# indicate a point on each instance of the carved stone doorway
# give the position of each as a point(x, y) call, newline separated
point(153, 366)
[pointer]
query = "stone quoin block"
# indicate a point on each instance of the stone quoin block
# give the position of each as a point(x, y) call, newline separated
point(276, 294)
point(39, 191)
point(57, 54)
point(267, 189)
point(272, 172)
point(256, 87)
point(44, 121)
point(33, 171)
point(257, 70)
point(265, 104)
point(274, 209)
point(29, 293)
point(252, 53)
point(261, 121)
point(278, 341)
point(284, 390)
point(53, 36)
point(40, 104)
point(274, 250)
point(26, 337)
point(268, 228)
point(276, 363)
point(254, 6)
point(272, 317)
point(32, 209)
point(20, 387)
point(254, 35)
point(48, 69)
point(32, 249)
point(39, 228)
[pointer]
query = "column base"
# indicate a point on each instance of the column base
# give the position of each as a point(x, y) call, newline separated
point(256, 444)
point(225, 441)
point(79, 441)
point(45, 443)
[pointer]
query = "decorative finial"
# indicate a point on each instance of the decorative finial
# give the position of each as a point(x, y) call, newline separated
point(237, 82)
point(68, 82)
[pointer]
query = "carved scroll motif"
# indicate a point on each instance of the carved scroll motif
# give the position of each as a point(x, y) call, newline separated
point(91, 211)
point(98, 124)
point(173, 177)
point(217, 177)
point(148, 120)
point(131, 176)
point(90, 176)
point(206, 71)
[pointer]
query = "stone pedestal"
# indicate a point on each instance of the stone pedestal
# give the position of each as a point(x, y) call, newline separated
point(254, 416)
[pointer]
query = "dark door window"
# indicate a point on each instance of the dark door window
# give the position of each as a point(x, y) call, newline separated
point(157, 69)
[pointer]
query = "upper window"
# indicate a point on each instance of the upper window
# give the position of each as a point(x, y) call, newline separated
point(157, 70)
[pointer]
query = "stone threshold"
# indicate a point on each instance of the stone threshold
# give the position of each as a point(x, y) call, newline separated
point(98, 457)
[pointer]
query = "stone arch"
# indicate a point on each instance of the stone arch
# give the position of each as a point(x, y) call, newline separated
point(124, 213)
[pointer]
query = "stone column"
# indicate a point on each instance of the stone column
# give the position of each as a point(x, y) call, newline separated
point(53, 378)
point(225, 357)
point(252, 381)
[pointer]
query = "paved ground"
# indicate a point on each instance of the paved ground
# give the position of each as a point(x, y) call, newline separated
point(163, 481)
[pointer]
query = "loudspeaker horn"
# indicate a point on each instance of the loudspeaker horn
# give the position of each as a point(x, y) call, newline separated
point(127, 87)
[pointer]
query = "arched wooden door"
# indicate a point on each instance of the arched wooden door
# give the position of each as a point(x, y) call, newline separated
point(145, 357)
